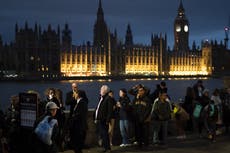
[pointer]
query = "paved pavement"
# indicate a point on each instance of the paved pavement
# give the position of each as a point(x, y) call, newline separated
point(192, 144)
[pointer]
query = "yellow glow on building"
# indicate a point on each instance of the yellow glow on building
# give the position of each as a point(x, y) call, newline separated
point(86, 61)
point(190, 63)
point(89, 61)
point(141, 61)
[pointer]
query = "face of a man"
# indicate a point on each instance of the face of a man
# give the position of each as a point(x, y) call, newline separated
point(103, 91)
point(121, 93)
point(141, 92)
point(74, 87)
point(163, 96)
point(206, 94)
point(53, 112)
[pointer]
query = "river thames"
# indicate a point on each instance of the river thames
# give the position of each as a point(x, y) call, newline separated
point(176, 87)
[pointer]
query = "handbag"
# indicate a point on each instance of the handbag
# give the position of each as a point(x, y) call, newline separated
point(44, 130)
point(197, 111)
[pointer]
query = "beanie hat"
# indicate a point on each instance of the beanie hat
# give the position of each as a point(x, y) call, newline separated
point(124, 90)
point(51, 105)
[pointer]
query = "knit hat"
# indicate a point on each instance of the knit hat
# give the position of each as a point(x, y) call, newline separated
point(51, 105)
point(124, 90)
point(205, 90)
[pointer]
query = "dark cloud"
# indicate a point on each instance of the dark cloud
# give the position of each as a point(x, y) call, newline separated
point(207, 18)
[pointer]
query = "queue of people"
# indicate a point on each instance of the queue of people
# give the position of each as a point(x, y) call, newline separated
point(136, 115)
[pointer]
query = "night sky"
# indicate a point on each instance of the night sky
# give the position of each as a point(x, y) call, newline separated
point(207, 17)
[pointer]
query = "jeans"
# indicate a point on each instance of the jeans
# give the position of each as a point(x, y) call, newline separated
point(157, 125)
point(210, 125)
point(124, 125)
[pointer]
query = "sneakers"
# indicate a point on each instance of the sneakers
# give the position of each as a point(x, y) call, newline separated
point(100, 142)
point(135, 143)
point(181, 137)
point(124, 145)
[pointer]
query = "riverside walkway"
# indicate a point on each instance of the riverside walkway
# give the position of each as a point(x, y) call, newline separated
point(192, 144)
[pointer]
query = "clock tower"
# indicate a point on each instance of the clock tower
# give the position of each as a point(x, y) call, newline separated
point(181, 30)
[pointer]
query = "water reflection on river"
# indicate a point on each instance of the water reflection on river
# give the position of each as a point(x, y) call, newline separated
point(176, 87)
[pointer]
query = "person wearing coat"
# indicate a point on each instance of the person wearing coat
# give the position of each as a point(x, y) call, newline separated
point(103, 115)
point(79, 123)
point(71, 98)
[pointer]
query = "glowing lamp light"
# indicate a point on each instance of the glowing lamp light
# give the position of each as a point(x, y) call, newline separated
point(226, 28)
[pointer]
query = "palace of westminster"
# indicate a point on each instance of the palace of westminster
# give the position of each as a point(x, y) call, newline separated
point(50, 53)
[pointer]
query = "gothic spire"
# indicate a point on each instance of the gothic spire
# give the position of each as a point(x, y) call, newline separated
point(181, 11)
point(181, 7)
point(100, 5)
point(0, 40)
point(26, 25)
point(36, 27)
point(101, 32)
point(100, 12)
point(129, 36)
point(16, 28)
point(66, 26)
point(115, 32)
point(58, 31)
point(49, 27)
point(36, 30)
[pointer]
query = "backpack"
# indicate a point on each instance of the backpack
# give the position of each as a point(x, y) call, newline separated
point(197, 111)
point(44, 130)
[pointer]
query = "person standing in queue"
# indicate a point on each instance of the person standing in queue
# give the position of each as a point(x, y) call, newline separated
point(60, 116)
point(39, 145)
point(198, 89)
point(103, 115)
point(79, 123)
point(123, 105)
point(113, 118)
point(71, 98)
point(141, 112)
point(161, 114)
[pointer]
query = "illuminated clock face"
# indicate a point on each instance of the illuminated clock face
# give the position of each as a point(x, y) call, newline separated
point(178, 28)
point(186, 28)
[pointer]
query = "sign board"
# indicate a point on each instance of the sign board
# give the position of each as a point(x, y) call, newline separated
point(28, 109)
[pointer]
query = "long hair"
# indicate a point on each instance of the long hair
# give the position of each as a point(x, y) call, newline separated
point(190, 92)
point(82, 94)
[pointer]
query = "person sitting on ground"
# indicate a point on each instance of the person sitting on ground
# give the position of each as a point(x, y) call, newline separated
point(180, 117)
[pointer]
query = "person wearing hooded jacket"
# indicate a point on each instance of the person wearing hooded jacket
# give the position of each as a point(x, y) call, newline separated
point(141, 112)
